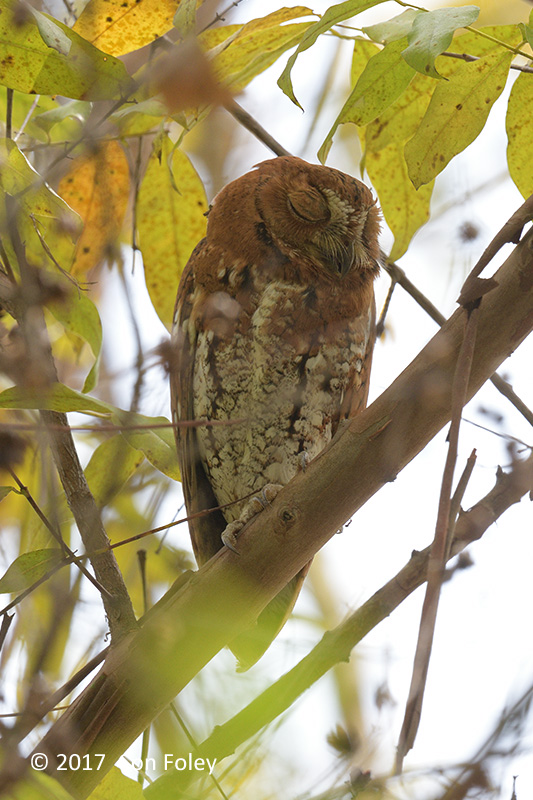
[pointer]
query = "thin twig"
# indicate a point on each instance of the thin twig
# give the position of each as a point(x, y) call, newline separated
point(27, 117)
point(251, 124)
point(467, 57)
point(56, 534)
point(437, 559)
point(398, 275)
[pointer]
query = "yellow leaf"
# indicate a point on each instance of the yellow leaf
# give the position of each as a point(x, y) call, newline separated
point(170, 220)
point(456, 114)
point(253, 47)
point(405, 209)
point(72, 68)
point(399, 122)
point(97, 187)
point(121, 26)
point(520, 134)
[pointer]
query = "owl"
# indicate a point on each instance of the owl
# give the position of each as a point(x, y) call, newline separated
point(272, 341)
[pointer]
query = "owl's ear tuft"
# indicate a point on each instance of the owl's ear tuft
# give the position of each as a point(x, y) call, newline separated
point(309, 205)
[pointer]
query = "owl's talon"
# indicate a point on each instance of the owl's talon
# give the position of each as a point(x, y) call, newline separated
point(304, 460)
point(230, 534)
point(254, 506)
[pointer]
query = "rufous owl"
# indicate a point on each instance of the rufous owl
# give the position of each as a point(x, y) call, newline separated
point(273, 333)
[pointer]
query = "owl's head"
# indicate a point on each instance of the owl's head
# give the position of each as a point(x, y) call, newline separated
point(318, 214)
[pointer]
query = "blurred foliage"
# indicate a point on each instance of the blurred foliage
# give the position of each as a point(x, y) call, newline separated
point(94, 161)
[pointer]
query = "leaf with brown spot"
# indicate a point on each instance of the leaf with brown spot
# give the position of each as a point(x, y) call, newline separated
point(121, 26)
point(97, 186)
point(456, 115)
point(170, 220)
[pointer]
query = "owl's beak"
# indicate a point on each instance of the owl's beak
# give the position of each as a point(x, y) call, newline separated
point(345, 259)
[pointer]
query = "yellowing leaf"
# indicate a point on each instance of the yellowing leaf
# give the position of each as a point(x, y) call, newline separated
point(170, 219)
point(384, 78)
point(520, 134)
point(478, 45)
point(28, 568)
point(456, 114)
point(400, 120)
point(151, 435)
point(79, 315)
point(121, 26)
point(111, 465)
point(57, 397)
point(154, 437)
point(97, 187)
point(252, 47)
point(405, 209)
point(43, 216)
point(115, 785)
point(29, 64)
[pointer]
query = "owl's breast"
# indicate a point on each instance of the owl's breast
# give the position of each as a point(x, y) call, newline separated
point(277, 377)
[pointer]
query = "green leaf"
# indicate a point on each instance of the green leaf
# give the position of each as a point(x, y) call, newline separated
point(527, 32)
point(113, 462)
point(51, 32)
point(29, 64)
point(157, 443)
point(456, 114)
point(116, 786)
point(393, 29)
point(5, 490)
point(432, 33)
point(385, 77)
point(57, 397)
point(170, 218)
point(334, 15)
point(79, 315)
point(74, 109)
point(185, 17)
point(405, 209)
point(141, 432)
point(520, 134)
point(28, 568)
point(471, 42)
point(41, 208)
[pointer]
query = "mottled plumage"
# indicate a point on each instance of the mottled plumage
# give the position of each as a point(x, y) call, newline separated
point(274, 328)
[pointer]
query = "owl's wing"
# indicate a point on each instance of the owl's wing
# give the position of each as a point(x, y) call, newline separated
point(205, 530)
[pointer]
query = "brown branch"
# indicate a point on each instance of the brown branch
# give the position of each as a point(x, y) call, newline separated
point(146, 670)
point(398, 276)
point(37, 373)
point(337, 644)
point(437, 561)
point(81, 502)
point(467, 57)
point(251, 124)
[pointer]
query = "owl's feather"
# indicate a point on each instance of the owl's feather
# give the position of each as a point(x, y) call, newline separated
point(273, 336)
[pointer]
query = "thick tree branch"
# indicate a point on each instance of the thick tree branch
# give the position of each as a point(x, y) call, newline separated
point(337, 644)
point(147, 669)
